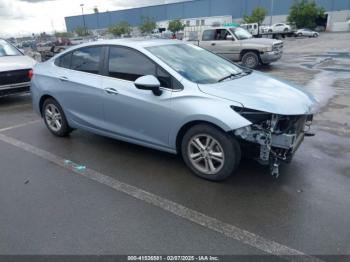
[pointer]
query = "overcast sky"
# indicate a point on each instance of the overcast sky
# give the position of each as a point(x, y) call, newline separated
point(23, 17)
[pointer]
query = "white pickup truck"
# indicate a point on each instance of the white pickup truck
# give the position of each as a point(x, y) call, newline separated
point(238, 45)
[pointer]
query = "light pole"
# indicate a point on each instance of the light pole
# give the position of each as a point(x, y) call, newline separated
point(82, 11)
point(271, 12)
point(97, 18)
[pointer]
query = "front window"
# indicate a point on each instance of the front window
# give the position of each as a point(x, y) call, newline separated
point(7, 49)
point(241, 33)
point(195, 63)
point(127, 64)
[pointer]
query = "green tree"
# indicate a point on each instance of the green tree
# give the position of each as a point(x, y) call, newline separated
point(176, 26)
point(147, 25)
point(304, 13)
point(63, 34)
point(82, 31)
point(121, 28)
point(258, 16)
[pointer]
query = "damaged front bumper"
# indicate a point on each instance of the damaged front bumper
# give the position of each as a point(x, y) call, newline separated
point(278, 138)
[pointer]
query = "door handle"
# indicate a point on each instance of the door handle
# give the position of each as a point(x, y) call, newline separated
point(111, 91)
point(63, 78)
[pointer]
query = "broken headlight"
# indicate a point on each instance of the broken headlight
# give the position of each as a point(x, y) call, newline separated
point(254, 116)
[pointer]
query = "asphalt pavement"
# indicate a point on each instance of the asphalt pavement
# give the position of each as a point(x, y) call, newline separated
point(124, 199)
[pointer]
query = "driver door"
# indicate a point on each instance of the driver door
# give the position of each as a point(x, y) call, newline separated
point(219, 42)
point(132, 113)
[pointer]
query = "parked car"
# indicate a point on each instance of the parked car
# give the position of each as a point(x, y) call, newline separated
point(306, 32)
point(78, 40)
point(238, 45)
point(14, 69)
point(279, 28)
point(175, 97)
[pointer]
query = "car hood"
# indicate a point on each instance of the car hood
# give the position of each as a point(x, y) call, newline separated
point(261, 41)
point(263, 93)
point(10, 63)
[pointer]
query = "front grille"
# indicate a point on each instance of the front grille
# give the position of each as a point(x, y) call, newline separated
point(14, 77)
point(278, 47)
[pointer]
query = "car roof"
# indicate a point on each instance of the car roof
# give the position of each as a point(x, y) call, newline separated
point(134, 42)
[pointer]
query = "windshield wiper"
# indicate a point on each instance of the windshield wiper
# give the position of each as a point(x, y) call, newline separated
point(232, 75)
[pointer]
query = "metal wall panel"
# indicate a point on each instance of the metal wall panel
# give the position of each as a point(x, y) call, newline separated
point(200, 8)
point(226, 7)
point(193, 9)
point(175, 11)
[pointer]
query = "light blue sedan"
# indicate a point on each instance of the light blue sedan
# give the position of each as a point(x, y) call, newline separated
point(175, 97)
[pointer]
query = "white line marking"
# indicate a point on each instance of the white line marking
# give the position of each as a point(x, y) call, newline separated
point(19, 125)
point(333, 129)
point(214, 224)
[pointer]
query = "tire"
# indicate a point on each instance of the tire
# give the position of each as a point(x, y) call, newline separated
point(250, 60)
point(55, 119)
point(300, 34)
point(213, 145)
point(270, 31)
point(315, 35)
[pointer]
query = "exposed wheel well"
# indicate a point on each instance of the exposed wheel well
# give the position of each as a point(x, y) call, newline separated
point(42, 100)
point(186, 127)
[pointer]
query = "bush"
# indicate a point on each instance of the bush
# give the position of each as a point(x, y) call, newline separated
point(147, 25)
point(258, 16)
point(176, 26)
point(82, 31)
point(304, 13)
point(121, 28)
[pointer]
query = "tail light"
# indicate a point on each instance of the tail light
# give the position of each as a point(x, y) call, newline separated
point(30, 74)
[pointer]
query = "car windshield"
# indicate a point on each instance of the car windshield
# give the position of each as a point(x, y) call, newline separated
point(195, 63)
point(8, 50)
point(241, 33)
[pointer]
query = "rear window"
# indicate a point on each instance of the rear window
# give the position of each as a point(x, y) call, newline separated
point(86, 59)
point(208, 35)
point(64, 61)
point(7, 49)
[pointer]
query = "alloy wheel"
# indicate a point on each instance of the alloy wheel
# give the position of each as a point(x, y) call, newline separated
point(53, 117)
point(206, 154)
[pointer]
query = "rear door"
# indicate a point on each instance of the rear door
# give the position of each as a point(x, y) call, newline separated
point(80, 86)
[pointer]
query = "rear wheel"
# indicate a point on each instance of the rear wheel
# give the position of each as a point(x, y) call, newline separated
point(210, 153)
point(55, 119)
point(250, 60)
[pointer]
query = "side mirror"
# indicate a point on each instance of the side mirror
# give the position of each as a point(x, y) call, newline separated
point(230, 37)
point(148, 82)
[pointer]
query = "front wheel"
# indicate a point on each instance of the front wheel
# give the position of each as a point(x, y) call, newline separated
point(55, 119)
point(250, 60)
point(210, 153)
point(315, 35)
